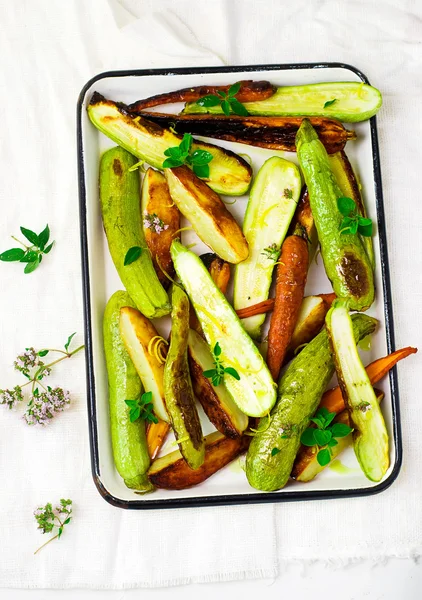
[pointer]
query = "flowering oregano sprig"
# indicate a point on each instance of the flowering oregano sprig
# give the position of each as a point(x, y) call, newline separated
point(44, 402)
point(152, 221)
point(48, 518)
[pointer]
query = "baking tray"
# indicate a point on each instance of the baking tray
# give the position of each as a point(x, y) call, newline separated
point(100, 280)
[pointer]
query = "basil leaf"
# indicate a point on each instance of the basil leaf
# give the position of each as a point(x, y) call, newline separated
point(340, 430)
point(210, 100)
point(324, 457)
point(132, 254)
point(322, 436)
point(232, 372)
point(12, 255)
point(307, 438)
point(234, 89)
point(202, 171)
point(346, 206)
point(238, 108)
point(30, 235)
point(43, 237)
point(225, 105)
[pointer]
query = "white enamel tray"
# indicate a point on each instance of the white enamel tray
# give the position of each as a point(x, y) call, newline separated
point(100, 280)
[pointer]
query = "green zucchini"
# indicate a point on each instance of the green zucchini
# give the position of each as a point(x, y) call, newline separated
point(345, 259)
point(120, 207)
point(299, 393)
point(348, 101)
point(370, 438)
point(128, 439)
point(229, 173)
point(271, 206)
point(180, 401)
point(254, 393)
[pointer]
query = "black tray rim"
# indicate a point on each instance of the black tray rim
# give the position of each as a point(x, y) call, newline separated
point(233, 499)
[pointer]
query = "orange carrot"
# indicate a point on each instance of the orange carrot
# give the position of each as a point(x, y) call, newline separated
point(333, 400)
point(291, 277)
point(156, 434)
point(256, 309)
point(328, 298)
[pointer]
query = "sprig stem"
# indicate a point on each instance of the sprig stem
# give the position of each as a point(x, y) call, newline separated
point(21, 243)
point(47, 542)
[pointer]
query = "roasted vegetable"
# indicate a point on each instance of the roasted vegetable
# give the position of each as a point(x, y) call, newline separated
point(161, 222)
point(276, 133)
point(156, 436)
point(304, 217)
point(128, 439)
point(306, 465)
point(272, 203)
point(345, 260)
point(309, 322)
point(229, 173)
point(292, 272)
point(140, 337)
point(254, 393)
point(299, 392)
point(207, 213)
point(172, 473)
point(216, 401)
point(260, 308)
point(119, 195)
point(349, 186)
point(249, 91)
point(348, 101)
point(333, 400)
point(370, 438)
point(178, 391)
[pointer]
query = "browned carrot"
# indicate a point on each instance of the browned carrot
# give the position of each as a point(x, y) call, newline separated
point(292, 270)
point(333, 400)
point(250, 91)
point(256, 309)
point(328, 298)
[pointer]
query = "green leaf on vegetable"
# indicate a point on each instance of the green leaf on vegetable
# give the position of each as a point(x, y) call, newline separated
point(324, 457)
point(227, 100)
point(132, 254)
point(142, 408)
point(330, 102)
point(275, 451)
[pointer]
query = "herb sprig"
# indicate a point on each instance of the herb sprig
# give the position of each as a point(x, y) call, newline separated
point(44, 401)
point(324, 435)
point(31, 255)
point(353, 222)
point(132, 254)
point(272, 252)
point(182, 155)
point(49, 519)
point(330, 102)
point(217, 374)
point(142, 408)
point(227, 100)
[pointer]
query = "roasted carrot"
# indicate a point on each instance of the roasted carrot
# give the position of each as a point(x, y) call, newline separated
point(333, 400)
point(328, 298)
point(256, 309)
point(156, 434)
point(250, 91)
point(292, 270)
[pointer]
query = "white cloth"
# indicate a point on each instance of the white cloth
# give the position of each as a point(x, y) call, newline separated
point(47, 51)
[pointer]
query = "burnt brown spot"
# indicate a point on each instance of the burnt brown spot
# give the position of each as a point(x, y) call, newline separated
point(117, 167)
point(355, 274)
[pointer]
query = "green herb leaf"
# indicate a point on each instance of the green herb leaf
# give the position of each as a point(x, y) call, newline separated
point(340, 430)
point(171, 163)
point(318, 422)
point(210, 373)
point(346, 206)
point(69, 339)
point(332, 443)
point(222, 94)
point(43, 237)
point(328, 419)
point(330, 102)
point(30, 235)
point(210, 100)
point(308, 437)
point(201, 157)
point(29, 256)
point(202, 171)
point(186, 143)
point(322, 436)
point(43, 353)
point(60, 532)
point(14, 254)
point(217, 349)
point(47, 250)
point(173, 152)
point(232, 372)
point(238, 108)
point(324, 457)
point(67, 521)
point(275, 451)
point(365, 229)
point(234, 89)
point(31, 266)
point(225, 105)
point(132, 254)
